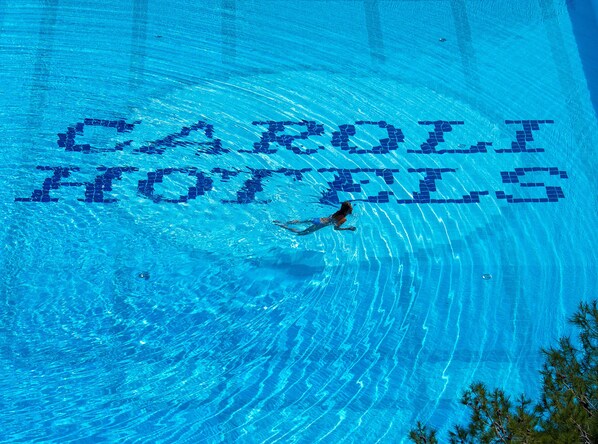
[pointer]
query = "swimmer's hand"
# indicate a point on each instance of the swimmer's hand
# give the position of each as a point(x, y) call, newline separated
point(345, 229)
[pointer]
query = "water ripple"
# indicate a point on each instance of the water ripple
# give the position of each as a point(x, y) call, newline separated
point(203, 321)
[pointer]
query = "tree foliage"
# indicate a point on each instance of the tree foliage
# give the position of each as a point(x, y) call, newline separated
point(566, 411)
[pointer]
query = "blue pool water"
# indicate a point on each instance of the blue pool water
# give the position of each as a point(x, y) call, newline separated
point(147, 147)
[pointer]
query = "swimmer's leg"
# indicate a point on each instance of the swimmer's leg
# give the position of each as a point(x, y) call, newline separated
point(297, 231)
point(285, 226)
point(294, 230)
point(310, 230)
point(292, 222)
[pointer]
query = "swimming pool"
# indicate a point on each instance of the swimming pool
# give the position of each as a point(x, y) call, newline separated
point(146, 294)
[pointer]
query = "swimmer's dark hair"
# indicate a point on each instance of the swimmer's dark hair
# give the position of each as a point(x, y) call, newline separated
point(346, 208)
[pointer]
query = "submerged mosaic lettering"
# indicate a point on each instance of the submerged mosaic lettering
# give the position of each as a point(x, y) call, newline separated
point(256, 180)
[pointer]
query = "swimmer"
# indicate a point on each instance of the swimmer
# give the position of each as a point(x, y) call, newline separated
point(336, 219)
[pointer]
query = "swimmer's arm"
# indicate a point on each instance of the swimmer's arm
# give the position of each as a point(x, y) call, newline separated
point(338, 227)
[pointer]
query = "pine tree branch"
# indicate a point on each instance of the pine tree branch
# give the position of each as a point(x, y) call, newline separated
point(565, 410)
point(583, 434)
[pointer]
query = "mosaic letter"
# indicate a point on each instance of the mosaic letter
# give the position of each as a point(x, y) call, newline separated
point(344, 181)
point(67, 140)
point(212, 146)
point(553, 194)
point(436, 137)
point(94, 191)
point(51, 183)
point(519, 145)
point(254, 184)
point(269, 137)
point(428, 185)
point(341, 138)
point(203, 184)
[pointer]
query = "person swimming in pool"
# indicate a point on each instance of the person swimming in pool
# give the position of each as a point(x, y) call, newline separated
point(336, 219)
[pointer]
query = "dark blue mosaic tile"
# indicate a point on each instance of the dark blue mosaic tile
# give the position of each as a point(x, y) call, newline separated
point(225, 174)
point(386, 175)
